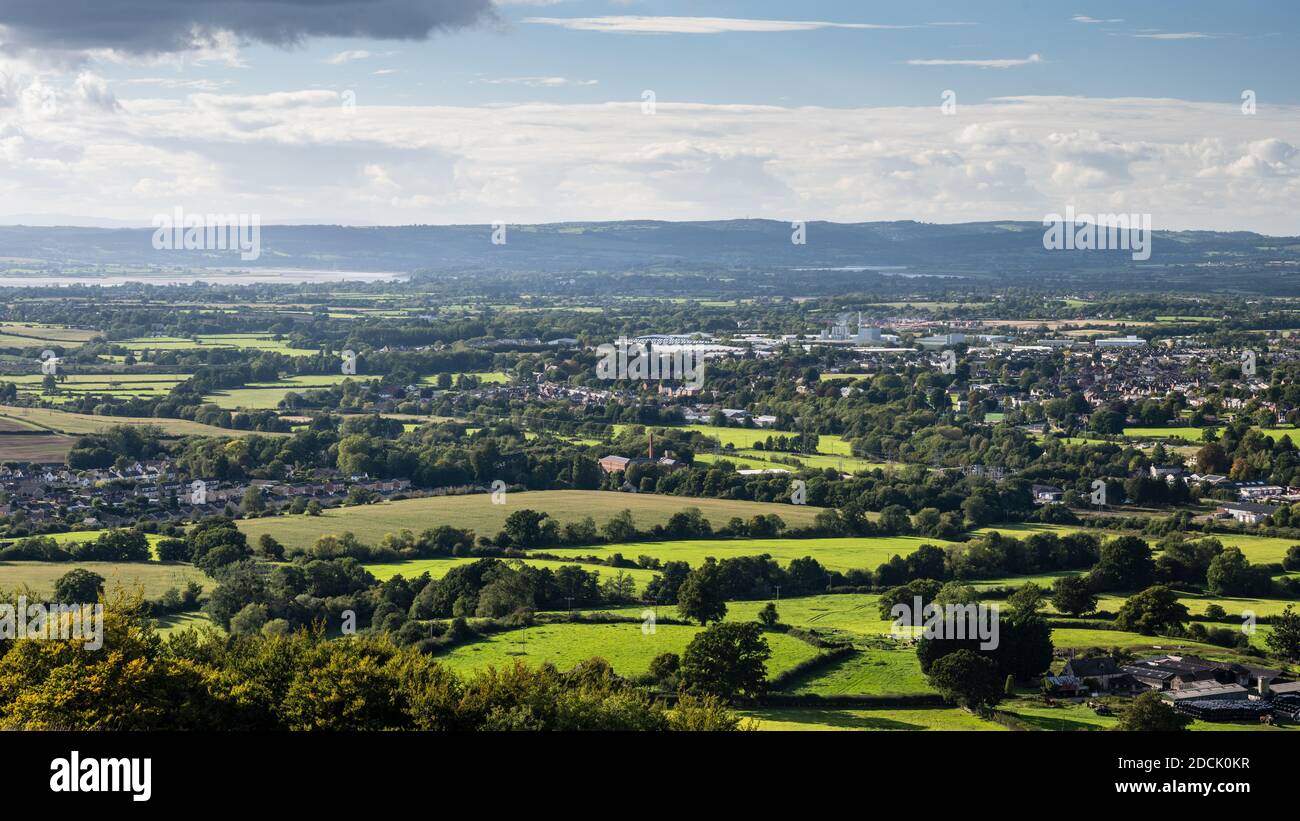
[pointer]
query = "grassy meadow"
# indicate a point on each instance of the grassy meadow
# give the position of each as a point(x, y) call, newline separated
point(477, 512)
point(625, 646)
point(153, 577)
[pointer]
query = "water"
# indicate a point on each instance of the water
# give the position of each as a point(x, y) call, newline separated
point(212, 276)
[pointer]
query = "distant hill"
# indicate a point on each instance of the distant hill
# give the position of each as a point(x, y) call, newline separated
point(1004, 251)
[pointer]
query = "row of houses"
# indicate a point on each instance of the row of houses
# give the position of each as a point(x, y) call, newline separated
point(51, 493)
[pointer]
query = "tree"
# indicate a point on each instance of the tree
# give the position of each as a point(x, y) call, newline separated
point(253, 501)
point(78, 586)
point(1212, 458)
point(895, 521)
point(967, 678)
point(727, 660)
point(664, 587)
point(768, 616)
point(173, 550)
point(621, 527)
point(1154, 609)
point(1231, 574)
point(1292, 560)
point(249, 620)
point(1126, 563)
point(1149, 713)
point(665, 666)
point(1284, 638)
point(701, 595)
point(1024, 645)
point(1027, 600)
point(1073, 596)
point(269, 548)
point(523, 528)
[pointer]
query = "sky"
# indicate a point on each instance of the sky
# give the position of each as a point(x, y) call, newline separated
point(373, 112)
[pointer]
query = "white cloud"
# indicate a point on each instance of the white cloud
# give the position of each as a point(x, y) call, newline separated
point(1174, 35)
point(348, 56)
point(537, 82)
point(694, 25)
point(302, 153)
point(1001, 63)
point(93, 90)
point(1083, 18)
point(197, 84)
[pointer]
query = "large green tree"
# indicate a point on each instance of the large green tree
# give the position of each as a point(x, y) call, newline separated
point(1149, 713)
point(1284, 638)
point(727, 660)
point(1151, 611)
point(967, 678)
point(701, 595)
point(78, 586)
point(1073, 596)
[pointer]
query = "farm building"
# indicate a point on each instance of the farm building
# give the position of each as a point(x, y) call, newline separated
point(1248, 513)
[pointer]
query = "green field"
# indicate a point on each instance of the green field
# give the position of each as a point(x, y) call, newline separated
point(486, 377)
point(874, 671)
point(1067, 716)
point(624, 645)
point(1258, 549)
point(743, 438)
point(153, 577)
point(836, 554)
point(855, 614)
point(437, 568)
point(267, 395)
point(258, 342)
point(938, 718)
point(1196, 605)
point(477, 512)
point(34, 335)
point(184, 621)
point(765, 460)
point(1082, 638)
point(80, 423)
point(73, 386)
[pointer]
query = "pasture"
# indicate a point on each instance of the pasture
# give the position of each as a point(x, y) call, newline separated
point(154, 578)
point(485, 377)
point(80, 423)
point(253, 341)
point(744, 438)
point(1079, 717)
point(806, 719)
point(437, 568)
point(267, 395)
point(836, 554)
point(477, 513)
point(35, 335)
point(625, 646)
point(855, 614)
point(72, 386)
point(874, 671)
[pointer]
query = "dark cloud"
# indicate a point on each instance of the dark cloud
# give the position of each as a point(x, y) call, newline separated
point(162, 26)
